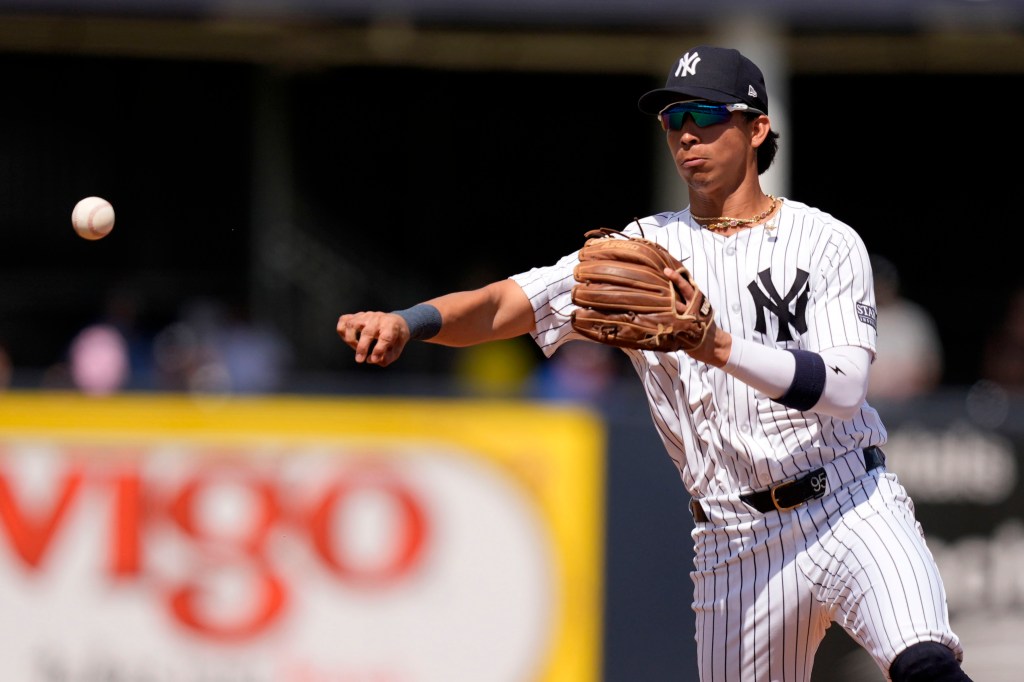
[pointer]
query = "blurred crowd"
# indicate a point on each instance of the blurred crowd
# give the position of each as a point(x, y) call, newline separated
point(910, 355)
point(910, 358)
point(212, 347)
point(216, 347)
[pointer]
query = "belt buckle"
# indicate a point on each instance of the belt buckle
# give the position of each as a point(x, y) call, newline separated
point(818, 481)
point(775, 500)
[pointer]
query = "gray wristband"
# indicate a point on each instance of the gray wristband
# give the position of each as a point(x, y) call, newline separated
point(424, 321)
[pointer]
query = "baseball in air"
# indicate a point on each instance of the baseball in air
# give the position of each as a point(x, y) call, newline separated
point(93, 218)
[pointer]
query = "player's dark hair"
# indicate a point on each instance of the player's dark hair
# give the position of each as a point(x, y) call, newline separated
point(766, 152)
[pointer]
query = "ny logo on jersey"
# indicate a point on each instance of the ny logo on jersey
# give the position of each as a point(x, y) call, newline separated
point(687, 65)
point(791, 309)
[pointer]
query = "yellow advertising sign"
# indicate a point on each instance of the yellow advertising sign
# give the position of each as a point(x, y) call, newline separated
point(299, 539)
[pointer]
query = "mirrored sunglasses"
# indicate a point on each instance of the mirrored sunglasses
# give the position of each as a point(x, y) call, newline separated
point(704, 114)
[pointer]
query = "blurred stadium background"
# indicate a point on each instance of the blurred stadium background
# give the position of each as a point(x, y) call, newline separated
point(274, 164)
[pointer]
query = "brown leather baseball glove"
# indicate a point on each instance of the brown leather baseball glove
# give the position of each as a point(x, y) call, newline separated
point(626, 300)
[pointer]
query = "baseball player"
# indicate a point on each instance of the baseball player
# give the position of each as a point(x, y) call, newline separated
point(798, 523)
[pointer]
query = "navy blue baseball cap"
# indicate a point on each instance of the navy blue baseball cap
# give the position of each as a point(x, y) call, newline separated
point(717, 74)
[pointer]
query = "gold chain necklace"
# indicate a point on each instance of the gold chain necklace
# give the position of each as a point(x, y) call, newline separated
point(725, 222)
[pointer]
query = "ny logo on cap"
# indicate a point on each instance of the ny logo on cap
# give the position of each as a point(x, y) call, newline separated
point(687, 64)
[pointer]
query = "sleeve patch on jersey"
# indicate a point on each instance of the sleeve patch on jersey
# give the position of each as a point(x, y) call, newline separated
point(867, 314)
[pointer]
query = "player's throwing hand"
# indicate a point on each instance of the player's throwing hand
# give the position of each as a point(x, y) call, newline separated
point(377, 337)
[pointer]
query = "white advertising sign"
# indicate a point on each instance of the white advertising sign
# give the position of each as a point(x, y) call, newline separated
point(251, 552)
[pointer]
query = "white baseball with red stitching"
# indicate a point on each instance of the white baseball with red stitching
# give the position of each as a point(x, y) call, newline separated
point(93, 218)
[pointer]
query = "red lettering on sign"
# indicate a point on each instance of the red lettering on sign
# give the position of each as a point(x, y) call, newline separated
point(150, 509)
point(241, 547)
point(126, 524)
point(31, 535)
point(187, 604)
point(183, 507)
point(408, 539)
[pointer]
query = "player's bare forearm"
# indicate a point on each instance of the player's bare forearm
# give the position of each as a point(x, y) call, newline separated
point(497, 311)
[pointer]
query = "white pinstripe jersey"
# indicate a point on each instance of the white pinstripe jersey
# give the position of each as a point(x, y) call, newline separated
point(802, 281)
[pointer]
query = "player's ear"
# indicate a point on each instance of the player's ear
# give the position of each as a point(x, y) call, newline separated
point(759, 128)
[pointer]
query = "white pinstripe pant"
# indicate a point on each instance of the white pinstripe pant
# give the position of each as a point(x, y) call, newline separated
point(766, 587)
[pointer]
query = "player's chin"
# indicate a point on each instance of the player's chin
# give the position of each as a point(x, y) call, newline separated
point(688, 175)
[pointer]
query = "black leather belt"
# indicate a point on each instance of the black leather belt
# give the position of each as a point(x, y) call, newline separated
point(791, 494)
